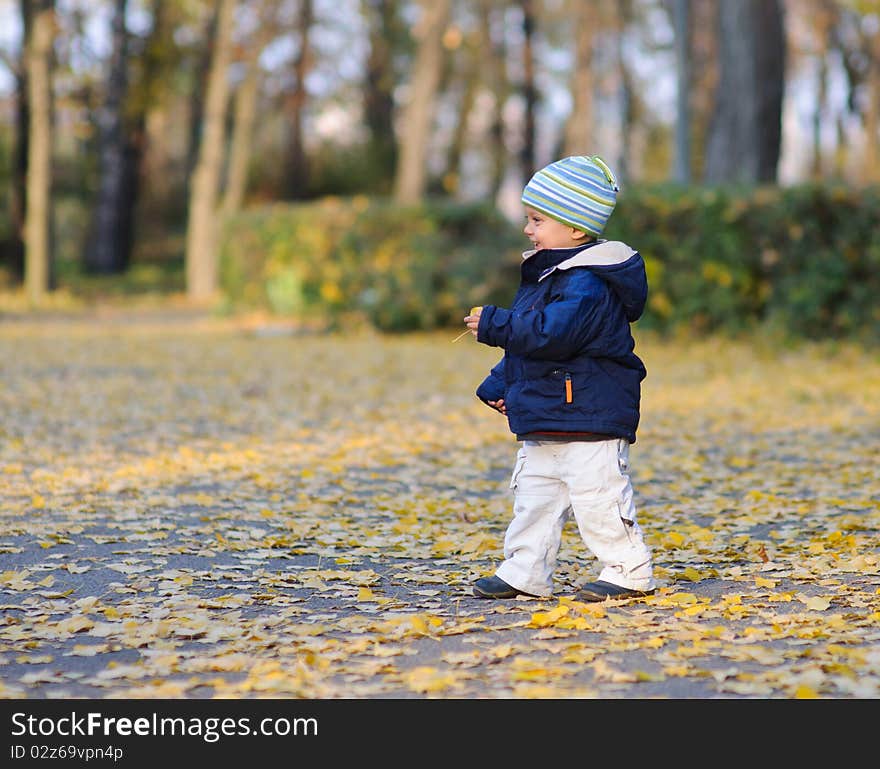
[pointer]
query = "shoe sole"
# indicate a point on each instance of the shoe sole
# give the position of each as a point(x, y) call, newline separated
point(596, 598)
point(482, 594)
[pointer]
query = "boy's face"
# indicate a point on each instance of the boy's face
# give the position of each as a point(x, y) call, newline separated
point(545, 232)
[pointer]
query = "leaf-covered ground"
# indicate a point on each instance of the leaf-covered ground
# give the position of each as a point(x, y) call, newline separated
point(199, 510)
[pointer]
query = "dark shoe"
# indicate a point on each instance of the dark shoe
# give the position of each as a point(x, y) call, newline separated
point(495, 587)
point(599, 591)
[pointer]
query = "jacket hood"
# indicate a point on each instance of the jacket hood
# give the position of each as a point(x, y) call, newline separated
point(621, 267)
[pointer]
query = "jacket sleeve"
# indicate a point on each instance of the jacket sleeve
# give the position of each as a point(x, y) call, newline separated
point(492, 387)
point(572, 320)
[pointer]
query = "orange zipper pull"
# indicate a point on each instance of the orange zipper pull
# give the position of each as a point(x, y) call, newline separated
point(568, 394)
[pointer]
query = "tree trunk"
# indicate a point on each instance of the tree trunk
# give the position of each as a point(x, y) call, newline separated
point(155, 175)
point(244, 118)
point(704, 79)
point(746, 131)
point(20, 153)
point(245, 109)
point(379, 82)
point(824, 20)
point(38, 256)
point(471, 77)
point(495, 55)
point(143, 100)
point(579, 127)
point(527, 159)
point(681, 22)
point(13, 248)
point(841, 150)
point(872, 114)
point(771, 58)
point(106, 248)
point(197, 98)
point(625, 90)
point(296, 166)
point(821, 102)
point(201, 234)
point(411, 179)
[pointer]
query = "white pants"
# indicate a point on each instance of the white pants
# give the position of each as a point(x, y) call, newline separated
point(590, 480)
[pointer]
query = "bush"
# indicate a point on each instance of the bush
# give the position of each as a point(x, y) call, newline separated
point(801, 262)
point(399, 268)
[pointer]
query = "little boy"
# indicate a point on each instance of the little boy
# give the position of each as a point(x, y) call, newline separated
point(569, 383)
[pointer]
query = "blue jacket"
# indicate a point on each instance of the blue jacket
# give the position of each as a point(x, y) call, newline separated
point(568, 363)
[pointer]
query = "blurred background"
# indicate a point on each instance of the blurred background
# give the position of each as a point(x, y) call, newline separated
point(360, 161)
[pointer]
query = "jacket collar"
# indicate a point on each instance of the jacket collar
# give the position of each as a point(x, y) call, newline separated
point(601, 253)
point(557, 255)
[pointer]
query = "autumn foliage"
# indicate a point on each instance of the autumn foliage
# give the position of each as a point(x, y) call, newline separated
point(211, 509)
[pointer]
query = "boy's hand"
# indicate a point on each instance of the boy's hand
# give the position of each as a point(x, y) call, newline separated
point(498, 405)
point(472, 321)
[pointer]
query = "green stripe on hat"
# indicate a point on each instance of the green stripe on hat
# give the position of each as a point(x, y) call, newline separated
point(579, 191)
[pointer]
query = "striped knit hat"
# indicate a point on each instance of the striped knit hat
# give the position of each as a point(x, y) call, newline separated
point(579, 191)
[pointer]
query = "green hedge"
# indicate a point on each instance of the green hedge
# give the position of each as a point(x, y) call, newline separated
point(802, 261)
point(400, 268)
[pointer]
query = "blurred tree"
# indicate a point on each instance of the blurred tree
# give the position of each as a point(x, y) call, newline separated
point(411, 179)
point(872, 109)
point(245, 106)
point(154, 59)
point(681, 19)
point(38, 267)
point(165, 72)
point(629, 107)
point(746, 130)
point(579, 135)
point(492, 66)
point(527, 159)
point(12, 254)
point(244, 117)
point(201, 233)
point(107, 247)
point(385, 33)
point(494, 69)
point(703, 76)
point(823, 19)
point(205, 39)
point(296, 176)
point(466, 72)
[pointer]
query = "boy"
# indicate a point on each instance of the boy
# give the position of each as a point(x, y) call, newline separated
point(569, 383)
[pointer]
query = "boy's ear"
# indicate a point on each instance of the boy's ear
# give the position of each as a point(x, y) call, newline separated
point(579, 234)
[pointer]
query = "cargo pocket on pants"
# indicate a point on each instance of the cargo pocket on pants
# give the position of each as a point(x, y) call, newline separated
point(625, 507)
point(517, 468)
point(623, 456)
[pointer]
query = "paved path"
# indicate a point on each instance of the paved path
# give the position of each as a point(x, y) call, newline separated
point(204, 512)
